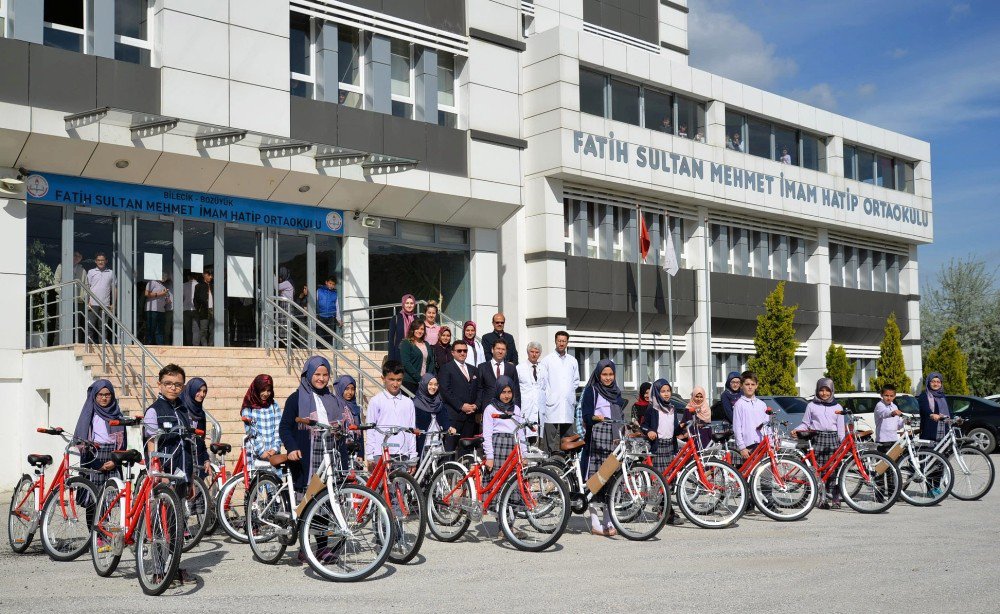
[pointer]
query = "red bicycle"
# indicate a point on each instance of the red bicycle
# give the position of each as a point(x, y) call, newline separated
point(152, 519)
point(533, 505)
point(64, 511)
point(230, 489)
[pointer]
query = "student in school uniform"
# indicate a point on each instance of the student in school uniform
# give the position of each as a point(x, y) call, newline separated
point(731, 394)
point(391, 408)
point(602, 399)
point(888, 419)
point(933, 407)
point(698, 416)
point(192, 398)
point(346, 389)
point(749, 415)
point(640, 405)
point(100, 408)
point(500, 434)
point(662, 427)
point(824, 416)
point(429, 404)
point(259, 405)
point(168, 407)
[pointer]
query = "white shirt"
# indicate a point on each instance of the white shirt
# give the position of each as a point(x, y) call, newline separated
point(388, 410)
point(188, 296)
point(563, 375)
point(321, 416)
point(532, 391)
point(476, 355)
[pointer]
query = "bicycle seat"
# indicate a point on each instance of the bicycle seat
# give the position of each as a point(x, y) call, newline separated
point(126, 457)
point(471, 442)
point(279, 460)
point(221, 448)
point(572, 445)
point(39, 460)
point(570, 439)
point(865, 433)
point(805, 435)
point(720, 436)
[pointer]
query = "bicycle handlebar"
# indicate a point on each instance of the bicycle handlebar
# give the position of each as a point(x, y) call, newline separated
point(50, 430)
point(318, 425)
point(133, 421)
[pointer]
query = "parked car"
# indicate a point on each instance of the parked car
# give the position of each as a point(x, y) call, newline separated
point(862, 404)
point(993, 397)
point(788, 409)
point(982, 419)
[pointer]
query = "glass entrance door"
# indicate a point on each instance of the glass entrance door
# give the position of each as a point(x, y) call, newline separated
point(242, 290)
point(293, 270)
point(154, 263)
point(199, 268)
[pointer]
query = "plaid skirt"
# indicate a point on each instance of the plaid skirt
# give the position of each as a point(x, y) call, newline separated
point(503, 446)
point(942, 430)
point(600, 446)
point(825, 443)
point(316, 456)
point(662, 454)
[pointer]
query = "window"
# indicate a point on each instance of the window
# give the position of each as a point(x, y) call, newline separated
point(401, 68)
point(786, 149)
point(836, 265)
point(904, 176)
point(850, 267)
point(866, 166)
point(624, 102)
point(301, 54)
point(350, 89)
point(568, 217)
point(779, 257)
point(759, 136)
point(592, 228)
point(690, 119)
point(878, 272)
point(3, 18)
point(892, 265)
point(865, 269)
point(797, 260)
point(739, 238)
point(720, 248)
point(850, 162)
point(760, 265)
point(132, 40)
point(447, 107)
point(592, 92)
point(813, 153)
point(735, 134)
point(658, 111)
point(452, 236)
point(885, 175)
point(620, 221)
point(65, 26)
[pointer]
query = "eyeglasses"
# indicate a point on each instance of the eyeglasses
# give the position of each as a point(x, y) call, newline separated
point(172, 384)
point(103, 394)
point(461, 351)
point(498, 321)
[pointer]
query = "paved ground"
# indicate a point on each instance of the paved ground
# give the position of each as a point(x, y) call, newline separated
point(909, 560)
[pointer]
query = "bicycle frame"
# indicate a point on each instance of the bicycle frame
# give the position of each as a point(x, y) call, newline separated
point(131, 509)
point(485, 495)
point(685, 455)
point(625, 456)
point(840, 455)
point(58, 481)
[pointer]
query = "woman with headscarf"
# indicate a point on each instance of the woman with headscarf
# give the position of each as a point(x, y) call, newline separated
point(285, 288)
point(601, 400)
point(640, 405)
point(399, 326)
point(314, 401)
point(933, 407)
point(100, 408)
point(698, 415)
point(346, 390)
point(500, 434)
point(730, 394)
point(661, 426)
point(416, 355)
point(823, 415)
point(259, 405)
point(442, 349)
point(429, 405)
point(192, 398)
point(476, 353)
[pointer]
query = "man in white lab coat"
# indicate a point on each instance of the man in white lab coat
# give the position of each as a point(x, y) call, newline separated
point(533, 378)
point(563, 374)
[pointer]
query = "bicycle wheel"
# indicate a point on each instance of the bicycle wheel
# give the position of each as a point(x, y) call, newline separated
point(159, 540)
point(269, 519)
point(446, 517)
point(409, 515)
point(107, 537)
point(230, 508)
point(784, 492)
point(640, 503)
point(66, 519)
point(714, 501)
point(875, 494)
point(196, 513)
point(213, 487)
point(349, 537)
point(535, 510)
point(929, 486)
point(21, 515)
point(974, 474)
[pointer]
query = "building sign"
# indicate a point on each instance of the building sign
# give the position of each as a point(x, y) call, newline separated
point(84, 192)
point(670, 163)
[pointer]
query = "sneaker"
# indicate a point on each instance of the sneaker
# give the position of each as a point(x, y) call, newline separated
point(935, 492)
point(825, 505)
point(835, 505)
point(675, 520)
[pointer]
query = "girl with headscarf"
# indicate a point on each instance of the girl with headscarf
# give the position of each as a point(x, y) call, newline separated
point(476, 353)
point(661, 425)
point(399, 326)
point(933, 407)
point(822, 416)
point(100, 408)
point(285, 288)
point(259, 405)
point(730, 394)
point(442, 349)
point(314, 401)
point(640, 405)
point(601, 400)
point(430, 413)
point(698, 416)
point(192, 398)
point(500, 434)
point(346, 390)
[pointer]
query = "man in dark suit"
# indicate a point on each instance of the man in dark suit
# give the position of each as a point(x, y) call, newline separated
point(488, 375)
point(459, 386)
point(498, 334)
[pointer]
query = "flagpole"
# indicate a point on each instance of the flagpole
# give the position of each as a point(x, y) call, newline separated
point(641, 375)
point(670, 325)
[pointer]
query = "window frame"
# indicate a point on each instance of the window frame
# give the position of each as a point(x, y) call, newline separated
point(455, 88)
point(146, 44)
point(412, 98)
point(3, 18)
point(86, 42)
point(309, 79)
point(350, 87)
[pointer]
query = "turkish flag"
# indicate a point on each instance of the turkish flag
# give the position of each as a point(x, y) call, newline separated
point(643, 237)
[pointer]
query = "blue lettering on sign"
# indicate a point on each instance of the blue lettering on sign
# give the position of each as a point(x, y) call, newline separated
point(81, 191)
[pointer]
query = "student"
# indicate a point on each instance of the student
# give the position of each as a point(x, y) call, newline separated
point(824, 415)
point(428, 404)
point(442, 349)
point(204, 306)
point(933, 406)
point(500, 434)
point(346, 390)
point(416, 356)
point(156, 304)
point(888, 419)
point(259, 405)
point(327, 307)
point(698, 415)
point(602, 398)
point(731, 394)
point(640, 405)
point(314, 401)
point(749, 415)
point(100, 408)
point(168, 407)
point(399, 326)
point(286, 289)
point(662, 427)
point(786, 158)
point(431, 326)
point(192, 399)
point(391, 408)
point(477, 354)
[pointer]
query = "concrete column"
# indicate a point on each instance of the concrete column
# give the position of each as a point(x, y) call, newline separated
point(66, 299)
point(715, 120)
point(835, 156)
point(101, 15)
point(378, 82)
point(543, 306)
point(513, 278)
point(818, 272)
point(219, 287)
point(13, 225)
point(483, 266)
point(910, 284)
point(177, 283)
point(327, 63)
point(26, 20)
point(426, 85)
point(922, 179)
point(353, 289)
point(697, 361)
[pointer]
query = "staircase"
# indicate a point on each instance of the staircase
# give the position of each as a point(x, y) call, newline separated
point(228, 373)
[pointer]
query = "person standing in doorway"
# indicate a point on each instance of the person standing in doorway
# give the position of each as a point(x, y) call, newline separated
point(534, 382)
point(499, 320)
point(560, 400)
point(204, 305)
point(399, 327)
point(327, 308)
point(104, 287)
point(190, 313)
point(156, 304)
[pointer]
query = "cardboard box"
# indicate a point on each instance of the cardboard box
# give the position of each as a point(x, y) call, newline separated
point(604, 473)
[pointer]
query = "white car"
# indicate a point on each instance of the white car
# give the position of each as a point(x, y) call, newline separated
point(862, 404)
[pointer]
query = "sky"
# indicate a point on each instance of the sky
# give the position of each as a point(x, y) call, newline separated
point(926, 68)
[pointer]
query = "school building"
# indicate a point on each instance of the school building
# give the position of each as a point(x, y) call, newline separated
point(488, 154)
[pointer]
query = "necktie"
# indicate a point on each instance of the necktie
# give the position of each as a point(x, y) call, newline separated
point(498, 370)
point(465, 372)
point(534, 372)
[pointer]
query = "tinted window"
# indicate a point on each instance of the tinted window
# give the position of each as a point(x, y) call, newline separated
point(591, 93)
point(793, 405)
point(688, 121)
point(659, 111)
point(865, 405)
point(810, 152)
point(760, 138)
point(907, 404)
point(866, 166)
point(849, 154)
point(625, 102)
point(785, 146)
point(734, 131)
point(298, 43)
point(958, 405)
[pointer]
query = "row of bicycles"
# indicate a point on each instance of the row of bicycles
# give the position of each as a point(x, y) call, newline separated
point(352, 517)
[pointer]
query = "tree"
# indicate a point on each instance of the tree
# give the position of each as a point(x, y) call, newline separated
point(890, 369)
point(839, 369)
point(775, 345)
point(950, 361)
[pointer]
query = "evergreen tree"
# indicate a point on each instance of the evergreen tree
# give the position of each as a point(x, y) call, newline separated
point(890, 368)
point(839, 369)
point(950, 361)
point(775, 345)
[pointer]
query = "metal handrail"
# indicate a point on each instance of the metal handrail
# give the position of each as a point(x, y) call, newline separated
point(366, 328)
point(301, 333)
point(118, 355)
